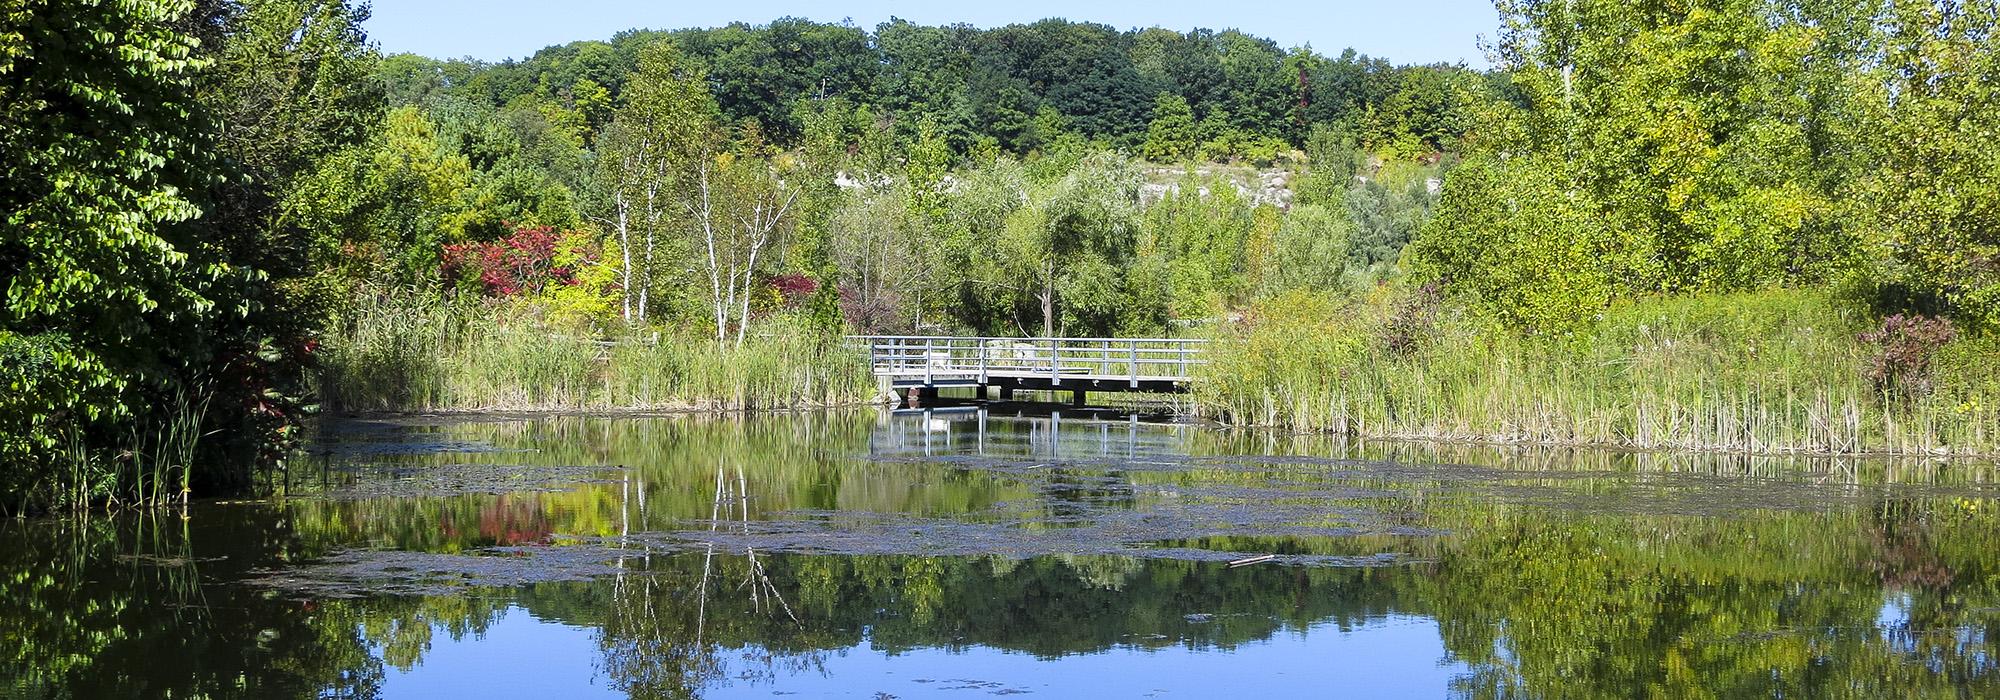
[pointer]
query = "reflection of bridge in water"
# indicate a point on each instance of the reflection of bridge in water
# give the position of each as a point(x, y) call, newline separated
point(1017, 430)
point(922, 364)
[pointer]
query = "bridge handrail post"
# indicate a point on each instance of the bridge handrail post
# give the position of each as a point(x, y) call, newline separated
point(1135, 364)
point(982, 363)
point(927, 362)
point(1055, 361)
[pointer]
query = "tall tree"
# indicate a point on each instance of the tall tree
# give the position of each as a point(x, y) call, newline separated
point(739, 207)
point(1072, 243)
point(1932, 198)
point(1171, 136)
point(662, 145)
point(103, 164)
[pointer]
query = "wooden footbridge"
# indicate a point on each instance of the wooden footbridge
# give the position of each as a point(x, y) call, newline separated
point(925, 363)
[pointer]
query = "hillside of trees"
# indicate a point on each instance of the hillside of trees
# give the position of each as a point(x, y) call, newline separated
point(960, 151)
point(221, 211)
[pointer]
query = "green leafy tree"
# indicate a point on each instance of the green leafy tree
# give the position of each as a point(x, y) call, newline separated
point(1689, 136)
point(661, 144)
point(1171, 137)
point(1932, 201)
point(384, 210)
point(1071, 243)
point(1199, 232)
point(1524, 244)
point(103, 164)
point(1309, 251)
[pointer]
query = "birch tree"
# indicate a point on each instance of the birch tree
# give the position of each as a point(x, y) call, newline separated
point(738, 208)
point(660, 143)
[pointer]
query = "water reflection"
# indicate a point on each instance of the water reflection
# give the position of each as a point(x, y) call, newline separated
point(1063, 554)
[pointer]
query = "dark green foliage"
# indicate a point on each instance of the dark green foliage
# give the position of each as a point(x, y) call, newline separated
point(145, 281)
point(978, 84)
point(101, 160)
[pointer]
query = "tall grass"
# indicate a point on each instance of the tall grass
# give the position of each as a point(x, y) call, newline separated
point(418, 354)
point(151, 465)
point(1768, 372)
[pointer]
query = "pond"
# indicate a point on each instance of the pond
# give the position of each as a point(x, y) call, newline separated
point(979, 551)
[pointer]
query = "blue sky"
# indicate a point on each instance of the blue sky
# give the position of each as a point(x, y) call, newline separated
point(1403, 31)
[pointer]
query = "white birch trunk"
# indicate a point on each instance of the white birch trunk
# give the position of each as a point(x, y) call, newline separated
point(624, 209)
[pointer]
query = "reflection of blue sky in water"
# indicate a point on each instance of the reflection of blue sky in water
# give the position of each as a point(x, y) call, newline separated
point(519, 656)
point(1395, 655)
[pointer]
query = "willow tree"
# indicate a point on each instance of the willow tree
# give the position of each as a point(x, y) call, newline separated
point(1070, 244)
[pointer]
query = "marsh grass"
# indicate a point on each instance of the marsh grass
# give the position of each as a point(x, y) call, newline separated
point(424, 354)
point(1773, 372)
point(153, 464)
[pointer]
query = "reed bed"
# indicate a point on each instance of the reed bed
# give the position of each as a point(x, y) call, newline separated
point(1772, 372)
point(435, 355)
point(146, 467)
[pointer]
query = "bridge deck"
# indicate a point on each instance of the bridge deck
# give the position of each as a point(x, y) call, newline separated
point(1163, 365)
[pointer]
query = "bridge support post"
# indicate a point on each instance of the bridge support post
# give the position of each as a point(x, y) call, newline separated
point(1006, 392)
point(1076, 398)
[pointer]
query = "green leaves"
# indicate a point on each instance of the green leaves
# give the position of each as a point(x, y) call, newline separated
point(94, 120)
point(1933, 204)
point(1171, 137)
point(1515, 238)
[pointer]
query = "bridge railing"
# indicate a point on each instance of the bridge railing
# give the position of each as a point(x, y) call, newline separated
point(939, 357)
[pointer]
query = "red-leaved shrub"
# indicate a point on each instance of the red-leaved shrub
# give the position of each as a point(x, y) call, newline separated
point(794, 288)
point(1905, 350)
point(521, 263)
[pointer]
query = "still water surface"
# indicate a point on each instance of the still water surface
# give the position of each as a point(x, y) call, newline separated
point(967, 553)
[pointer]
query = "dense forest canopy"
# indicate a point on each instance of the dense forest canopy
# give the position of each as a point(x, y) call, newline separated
point(1015, 87)
point(199, 192)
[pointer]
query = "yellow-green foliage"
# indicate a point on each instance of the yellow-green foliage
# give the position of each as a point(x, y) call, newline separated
point(423, 354)
point(593, 297)
point(1776, 371)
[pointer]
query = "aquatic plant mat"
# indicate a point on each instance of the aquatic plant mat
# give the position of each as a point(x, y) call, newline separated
point(1247, 510)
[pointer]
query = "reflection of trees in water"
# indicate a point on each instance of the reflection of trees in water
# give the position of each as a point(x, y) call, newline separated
point(119, 607)
point(1769, 603)
point(1591, 592)
point(1774, 605)
point(1558, 572)
point(650, 650)
point(1537, 605)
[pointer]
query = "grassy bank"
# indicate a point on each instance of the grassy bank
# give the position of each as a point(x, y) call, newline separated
point(426, 354)
point(1781, 371)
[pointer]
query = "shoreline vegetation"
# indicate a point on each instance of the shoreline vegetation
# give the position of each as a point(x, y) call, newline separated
point(429, 354)
point(1764, 373)
point(1767, 373)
